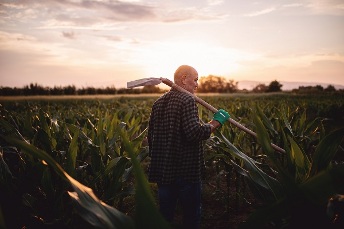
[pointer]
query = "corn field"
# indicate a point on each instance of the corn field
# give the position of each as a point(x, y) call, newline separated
point(81, 163)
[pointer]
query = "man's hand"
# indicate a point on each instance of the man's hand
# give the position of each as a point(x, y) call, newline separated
point(221, 116)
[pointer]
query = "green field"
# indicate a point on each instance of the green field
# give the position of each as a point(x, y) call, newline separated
point(72, 162)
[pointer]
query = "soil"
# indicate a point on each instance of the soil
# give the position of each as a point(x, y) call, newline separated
point(220, 211)
point(222, 207)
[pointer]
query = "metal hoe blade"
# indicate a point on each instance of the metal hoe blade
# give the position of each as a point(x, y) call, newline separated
point(144, 82)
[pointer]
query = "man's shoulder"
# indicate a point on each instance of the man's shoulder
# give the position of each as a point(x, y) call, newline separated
point(180, 95)
point(175, 97)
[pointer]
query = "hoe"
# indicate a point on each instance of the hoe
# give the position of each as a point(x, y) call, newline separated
point(156, 81)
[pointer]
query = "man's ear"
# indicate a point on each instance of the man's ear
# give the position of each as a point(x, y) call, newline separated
point(183, 79)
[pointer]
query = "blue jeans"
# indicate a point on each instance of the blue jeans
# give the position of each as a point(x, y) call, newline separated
point(188, 195)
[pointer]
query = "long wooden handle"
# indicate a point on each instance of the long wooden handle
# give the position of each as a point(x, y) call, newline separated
point(214, 110)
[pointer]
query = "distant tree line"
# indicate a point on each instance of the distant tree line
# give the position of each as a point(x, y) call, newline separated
point(315, 89)
point(206, 84)
point(211, 84)
point(35, 89)
point(274, 86)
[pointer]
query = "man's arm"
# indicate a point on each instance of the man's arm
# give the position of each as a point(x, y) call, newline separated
point(213, 125)
point(219, 119)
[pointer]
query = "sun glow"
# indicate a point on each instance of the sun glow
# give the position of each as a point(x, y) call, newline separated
point(162, 59)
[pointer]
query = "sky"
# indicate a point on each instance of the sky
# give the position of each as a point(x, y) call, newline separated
point(108, 43)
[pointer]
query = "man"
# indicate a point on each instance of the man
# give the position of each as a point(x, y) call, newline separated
point(175, 137)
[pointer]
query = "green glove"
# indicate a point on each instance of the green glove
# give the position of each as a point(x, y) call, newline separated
point(221, 116)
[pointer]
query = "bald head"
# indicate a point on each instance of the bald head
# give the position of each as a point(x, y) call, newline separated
point(182, 72)
point(186, 77)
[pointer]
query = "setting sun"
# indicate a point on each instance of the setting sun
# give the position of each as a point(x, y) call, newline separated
point(161, 59)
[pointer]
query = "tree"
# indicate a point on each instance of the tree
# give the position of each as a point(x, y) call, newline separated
point(260, 88)
point(69, 90)
point(150, 89)
point(218, 84)
point(274, 86)
point(319, 87)
point(330, 88)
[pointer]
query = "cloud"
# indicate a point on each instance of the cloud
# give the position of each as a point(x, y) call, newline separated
point(215, 2)
point(76, 12)
point(330, 7)
point(10, 40)
point(292, 5)
point(69, 35)
point(261, 12)
point(101, 15)
point(121, 10)
point(178, 15)
point(188, 14)
point(114, 38)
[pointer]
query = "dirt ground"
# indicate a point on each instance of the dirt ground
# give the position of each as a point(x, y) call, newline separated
point(221, 206)
point(221, 211)
point(218, 210)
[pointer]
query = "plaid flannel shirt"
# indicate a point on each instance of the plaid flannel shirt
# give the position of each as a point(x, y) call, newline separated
point(175, 138)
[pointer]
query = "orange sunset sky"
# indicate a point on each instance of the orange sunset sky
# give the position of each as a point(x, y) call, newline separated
point(108, 43)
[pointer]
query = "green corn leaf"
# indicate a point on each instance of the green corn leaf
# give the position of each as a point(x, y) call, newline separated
point(5, 173)
point(35, 152)
point(127, 116)
point(82, 134)
point(255, 173)
point(115, 165)
point(96, 160)
point(312, 126)
point(315, 192)
point(43, 122)
point(46, 181)
point(300, 160)
point(147, 213)
point(42, 138)
point(140, 157)
point(91, 124)
point(9, 129)
point(117, 172)
point(326, 150)
point(264, 140)
point(100, 137)
point(111, 128)
point(286, 122)
point(319, 188)
point(27, 127)
point(265, 120)
point(302, 122)
point(94, 211)
point(137, 141)
point(72, 154)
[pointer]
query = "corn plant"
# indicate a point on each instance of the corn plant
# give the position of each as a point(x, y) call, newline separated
point(69, 164)
point(303, 181)
point(308, 186)
point(309, 173)
point(90, 149)
point(91, 209)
